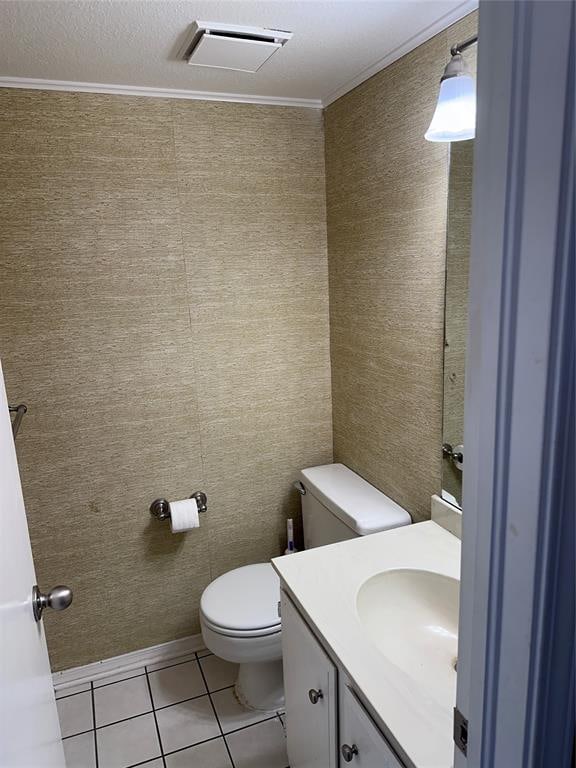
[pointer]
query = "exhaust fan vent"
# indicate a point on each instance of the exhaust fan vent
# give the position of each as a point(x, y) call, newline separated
point(230, 46)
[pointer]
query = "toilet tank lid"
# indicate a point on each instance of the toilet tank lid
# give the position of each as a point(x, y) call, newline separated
point(359, 505)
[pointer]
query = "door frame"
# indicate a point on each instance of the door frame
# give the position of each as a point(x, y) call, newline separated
point(516, 663)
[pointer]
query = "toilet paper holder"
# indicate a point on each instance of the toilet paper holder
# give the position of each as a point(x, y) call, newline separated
point(160, 508)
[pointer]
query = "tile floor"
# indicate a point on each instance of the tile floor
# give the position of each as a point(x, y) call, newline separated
point(180, 714)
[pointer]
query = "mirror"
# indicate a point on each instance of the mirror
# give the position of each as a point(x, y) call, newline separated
point(456, 316)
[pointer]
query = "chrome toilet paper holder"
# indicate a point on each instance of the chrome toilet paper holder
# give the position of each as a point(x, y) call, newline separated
point(160, 508)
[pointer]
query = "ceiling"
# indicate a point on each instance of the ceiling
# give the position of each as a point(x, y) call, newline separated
point(133, 46)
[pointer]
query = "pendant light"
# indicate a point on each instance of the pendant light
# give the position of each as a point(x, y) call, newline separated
point(455, 115)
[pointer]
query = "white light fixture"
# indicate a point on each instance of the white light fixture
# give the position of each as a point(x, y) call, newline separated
point(455, 115)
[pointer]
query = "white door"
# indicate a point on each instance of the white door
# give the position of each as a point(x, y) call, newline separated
point(361, 743)
point(29, 728)
point(310, 688)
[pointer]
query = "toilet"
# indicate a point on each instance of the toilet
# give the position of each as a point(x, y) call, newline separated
point(239, 611)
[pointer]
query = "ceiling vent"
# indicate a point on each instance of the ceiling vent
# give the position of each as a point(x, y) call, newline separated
point(230, 46)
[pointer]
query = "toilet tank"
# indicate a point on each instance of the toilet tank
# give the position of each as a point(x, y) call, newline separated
point(338, 504)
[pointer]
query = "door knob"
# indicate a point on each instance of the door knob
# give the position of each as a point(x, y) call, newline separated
point(315, 696)
point(348, 752)
point(58, 599)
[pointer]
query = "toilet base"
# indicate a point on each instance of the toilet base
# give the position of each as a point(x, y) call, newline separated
point(260, 686)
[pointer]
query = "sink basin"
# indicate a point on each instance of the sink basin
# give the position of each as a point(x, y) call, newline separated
point(412, 617)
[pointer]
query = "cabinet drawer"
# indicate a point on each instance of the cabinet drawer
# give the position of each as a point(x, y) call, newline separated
point(360, 739)
point(311, 699)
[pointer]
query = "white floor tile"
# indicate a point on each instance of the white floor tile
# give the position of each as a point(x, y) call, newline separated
point(232, 714)
point(79, 751)
point(71, 690)
point(170, 662)
point(126, 675)
point(75, 713)
point(185, 724)
point(218, 673)
point(213, 754)
point(203, 652)
point(175, 684)
point(121, 700)
point(127, 743)
point(260, 746)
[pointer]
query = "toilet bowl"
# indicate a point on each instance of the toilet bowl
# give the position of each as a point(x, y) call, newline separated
point(240, 623)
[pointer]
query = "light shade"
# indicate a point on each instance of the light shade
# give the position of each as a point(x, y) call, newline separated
point(455, 115)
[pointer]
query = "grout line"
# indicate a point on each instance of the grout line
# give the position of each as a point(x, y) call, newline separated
point(123, 680)
point(155, 720)
point(145, 762)
point(283, 724)
point(251, 725)
point(215, 713)
point(80, 733)
point(69, 695)
point(124, 720)
point(190, 698)
point(219, 690)
point(168, 666)
point(191, 746)
point(94, 721)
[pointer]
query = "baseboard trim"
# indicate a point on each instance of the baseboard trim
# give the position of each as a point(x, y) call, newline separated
point(127, 661)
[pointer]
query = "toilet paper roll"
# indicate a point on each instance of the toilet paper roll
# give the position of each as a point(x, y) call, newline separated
point(184, 515)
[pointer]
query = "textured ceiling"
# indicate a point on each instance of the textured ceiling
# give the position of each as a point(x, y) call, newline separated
point(136, 42)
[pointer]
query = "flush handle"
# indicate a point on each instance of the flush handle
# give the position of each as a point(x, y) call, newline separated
point(349, 752)
point(58, 599)
point(315, 696)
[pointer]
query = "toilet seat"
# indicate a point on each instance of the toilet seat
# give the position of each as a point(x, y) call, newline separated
point(227, 632)
point(243, 602)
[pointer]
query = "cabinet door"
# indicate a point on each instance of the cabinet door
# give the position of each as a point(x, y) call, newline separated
point(361, 743)
point(310, 686)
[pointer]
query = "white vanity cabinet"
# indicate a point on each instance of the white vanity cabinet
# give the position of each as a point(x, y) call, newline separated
point(326, 725)
point(361, 743)
point(311, 694)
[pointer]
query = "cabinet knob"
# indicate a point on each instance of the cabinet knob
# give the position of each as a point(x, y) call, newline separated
point(348, 752)
point(315, 696)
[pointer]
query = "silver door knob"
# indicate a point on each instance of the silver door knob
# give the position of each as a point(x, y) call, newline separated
point(348, 752)
point(315, 696)
point(58, 599)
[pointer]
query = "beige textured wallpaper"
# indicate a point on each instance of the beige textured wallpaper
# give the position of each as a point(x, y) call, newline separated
point(386, 208)
point(164, 314)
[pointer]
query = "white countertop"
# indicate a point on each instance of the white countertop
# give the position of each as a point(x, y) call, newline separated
point(325, 582)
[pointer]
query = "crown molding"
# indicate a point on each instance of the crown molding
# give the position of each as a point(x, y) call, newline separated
point(159, 93)
point(457, 13)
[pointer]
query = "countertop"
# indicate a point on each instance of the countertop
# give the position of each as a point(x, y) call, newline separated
point(325, 581)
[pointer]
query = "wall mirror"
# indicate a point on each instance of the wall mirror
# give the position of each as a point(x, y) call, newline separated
point(456, 317)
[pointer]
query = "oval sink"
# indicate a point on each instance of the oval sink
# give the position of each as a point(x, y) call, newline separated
point(412, 617)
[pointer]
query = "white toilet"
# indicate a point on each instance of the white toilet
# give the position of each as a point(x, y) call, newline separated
point(239, 611)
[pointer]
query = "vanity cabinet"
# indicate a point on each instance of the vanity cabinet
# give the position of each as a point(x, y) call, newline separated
point(326, 725)
point(311, 694)
point(361, 743)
